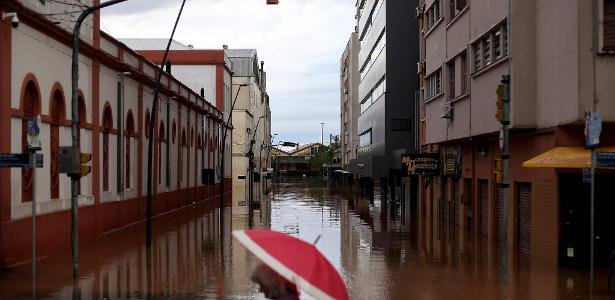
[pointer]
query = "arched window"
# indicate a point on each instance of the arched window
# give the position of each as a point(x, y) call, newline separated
point(130, 131)
point(174, 131)
point(181, 155)
point(31, 108)
point(107, 123)
point(147, 121)
point(58, 115)
point(161, 136)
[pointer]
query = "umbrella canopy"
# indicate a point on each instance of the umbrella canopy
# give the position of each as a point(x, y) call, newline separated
point(297, 261)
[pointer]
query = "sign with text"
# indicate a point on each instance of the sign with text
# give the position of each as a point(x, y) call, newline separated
point(421, 164)
point(19, 160)
point(605, 159)
point(451, 162)
point(593, 129)
point(33, 132)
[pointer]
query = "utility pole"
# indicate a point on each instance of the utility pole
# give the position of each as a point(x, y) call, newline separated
point(503, 116)
point(148, 218)
point(75, 130)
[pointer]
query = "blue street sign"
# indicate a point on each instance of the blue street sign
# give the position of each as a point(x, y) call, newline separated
point(605, 159)
point(593, 129)
point(19, 160)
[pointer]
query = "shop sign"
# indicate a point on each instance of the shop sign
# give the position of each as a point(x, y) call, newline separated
point(451, 159)
point(605, 159)
point(421, 164)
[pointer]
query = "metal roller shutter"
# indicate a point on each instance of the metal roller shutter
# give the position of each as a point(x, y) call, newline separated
point(525, 217)
point(484, 207)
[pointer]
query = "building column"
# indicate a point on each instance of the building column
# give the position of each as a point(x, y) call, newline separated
point(5, 127)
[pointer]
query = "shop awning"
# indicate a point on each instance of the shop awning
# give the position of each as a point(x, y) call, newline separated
point(564, 157)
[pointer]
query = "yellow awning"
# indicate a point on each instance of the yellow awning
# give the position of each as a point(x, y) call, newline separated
point(564, 157)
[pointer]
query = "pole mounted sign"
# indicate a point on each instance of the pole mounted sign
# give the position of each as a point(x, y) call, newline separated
point(19, 160)
point(33, 131)
point(593, 128)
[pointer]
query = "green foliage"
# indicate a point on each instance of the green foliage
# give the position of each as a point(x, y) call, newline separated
point(323, 156)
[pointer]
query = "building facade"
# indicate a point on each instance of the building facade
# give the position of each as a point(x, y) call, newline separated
point(558, 72)
point(349, 101)
point(388, 53)
point(115, 108)
point(251, 123)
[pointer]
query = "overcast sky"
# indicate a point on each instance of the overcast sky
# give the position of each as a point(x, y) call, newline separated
point(301, 42)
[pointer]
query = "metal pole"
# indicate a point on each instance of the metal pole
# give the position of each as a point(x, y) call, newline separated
point(33, 166)
point(592, 228)
point(148, 218)
point(505, 179)
point(75, 129)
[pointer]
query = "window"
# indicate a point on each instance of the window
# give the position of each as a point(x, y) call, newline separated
point(477, 56)
point(497, 51)
point(491, 47)
point(58, 112)
point(31, 108)
point(107, 127)
point(463, 61)
point(374, 95)
point(401, 125)
point(374, 53)
point(147, 123)
point(455, 7)
point(432, 15)
point(365, 139)
point(130, 130)
point(607, 37)
point(433, 84)
point(451, 79)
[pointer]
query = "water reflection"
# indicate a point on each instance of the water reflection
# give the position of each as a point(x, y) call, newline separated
point(383, 249)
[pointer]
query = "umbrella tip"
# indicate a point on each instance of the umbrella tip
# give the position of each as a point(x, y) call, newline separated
point(317, 239)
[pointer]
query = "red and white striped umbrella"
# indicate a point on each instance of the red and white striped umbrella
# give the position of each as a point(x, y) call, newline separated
point(297, 261)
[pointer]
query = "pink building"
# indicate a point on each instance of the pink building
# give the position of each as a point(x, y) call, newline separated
point(559, 57)
point(115, 106)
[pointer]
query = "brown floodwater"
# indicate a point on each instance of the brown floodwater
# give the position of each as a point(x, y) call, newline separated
point(379, 248)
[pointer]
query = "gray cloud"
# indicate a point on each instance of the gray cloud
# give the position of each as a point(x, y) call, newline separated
point(301, 42)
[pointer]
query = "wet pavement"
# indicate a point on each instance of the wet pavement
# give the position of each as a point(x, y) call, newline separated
point(381, 249)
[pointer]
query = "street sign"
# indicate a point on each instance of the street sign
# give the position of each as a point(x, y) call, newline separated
point(19, 160)
point(33, 131)
point(605, 159)
point(593, 128)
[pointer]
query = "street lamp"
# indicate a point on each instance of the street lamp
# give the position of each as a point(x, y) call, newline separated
point(74, 205)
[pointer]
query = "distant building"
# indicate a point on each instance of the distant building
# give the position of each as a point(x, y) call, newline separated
point(387, 124)
point(349, 102)
point(296, 162)
point(251, 120)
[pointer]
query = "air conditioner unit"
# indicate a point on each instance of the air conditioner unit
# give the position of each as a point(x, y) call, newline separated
point(419, 12)
point(420, 67)
point(446, 111)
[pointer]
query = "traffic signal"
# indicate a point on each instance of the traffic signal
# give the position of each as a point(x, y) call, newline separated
point(499, 103)
point(498, 168)
point(84, 159)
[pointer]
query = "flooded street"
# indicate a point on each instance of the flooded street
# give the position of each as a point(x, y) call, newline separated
point(381, 250)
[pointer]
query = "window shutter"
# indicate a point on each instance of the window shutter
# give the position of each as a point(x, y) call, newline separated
point(608, 32)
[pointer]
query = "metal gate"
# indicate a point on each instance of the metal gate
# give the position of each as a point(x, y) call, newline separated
point(524, 198)
point(484, 206)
